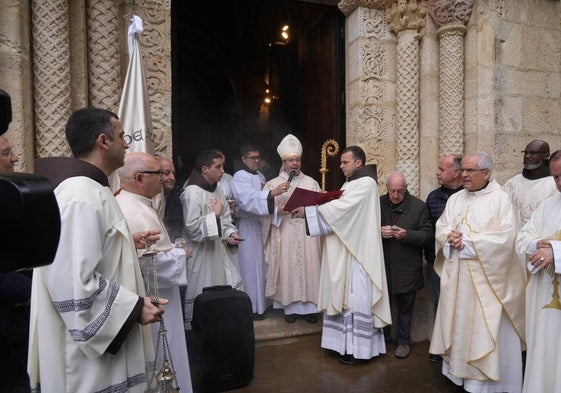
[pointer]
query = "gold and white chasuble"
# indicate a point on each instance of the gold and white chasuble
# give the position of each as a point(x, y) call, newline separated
point(478, 288)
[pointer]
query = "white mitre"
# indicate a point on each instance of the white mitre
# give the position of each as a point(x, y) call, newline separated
point(289, 146)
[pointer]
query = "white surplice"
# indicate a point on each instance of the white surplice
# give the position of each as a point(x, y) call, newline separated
point(252, 204)
point(526, 195)
point(293, 259)
point(543, 324)
point(353, 288)
point(171, 272)
point(479, 325)
point(80, 302)
point(212, 262)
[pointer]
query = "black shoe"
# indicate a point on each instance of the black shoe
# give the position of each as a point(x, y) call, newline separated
point(258, 317)
point(311, 318)
point(290, 318)
point(435, 358)
point(350, 360)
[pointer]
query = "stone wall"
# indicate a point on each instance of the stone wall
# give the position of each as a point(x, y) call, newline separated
point(527, 45)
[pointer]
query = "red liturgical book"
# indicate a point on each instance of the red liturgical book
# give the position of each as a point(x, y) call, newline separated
point(301, 197)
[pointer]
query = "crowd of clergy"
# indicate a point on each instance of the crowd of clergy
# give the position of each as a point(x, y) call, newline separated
point(128, 255)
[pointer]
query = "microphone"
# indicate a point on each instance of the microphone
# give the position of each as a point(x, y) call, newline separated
point(291, 176)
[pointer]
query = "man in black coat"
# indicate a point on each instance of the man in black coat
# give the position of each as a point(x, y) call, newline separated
point(406, 230)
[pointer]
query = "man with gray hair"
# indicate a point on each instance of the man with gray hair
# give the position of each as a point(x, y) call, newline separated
point(406, 230)
point(479, 324)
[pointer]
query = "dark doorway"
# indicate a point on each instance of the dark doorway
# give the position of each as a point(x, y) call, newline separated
point(228, 57)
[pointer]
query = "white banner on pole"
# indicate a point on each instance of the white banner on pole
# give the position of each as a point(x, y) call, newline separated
point(134, 108)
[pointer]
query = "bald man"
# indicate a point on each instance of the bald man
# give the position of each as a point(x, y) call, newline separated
point(7, 156)
point(406, 230)
point(141, 180)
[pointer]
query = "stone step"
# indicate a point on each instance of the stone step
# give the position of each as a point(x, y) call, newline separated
point(274, 330)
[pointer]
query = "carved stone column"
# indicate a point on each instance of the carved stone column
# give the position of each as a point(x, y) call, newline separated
point(370, 81)
point(407, 19)
point(51, 75)
point(103, 54)
point(16, 78)
point(451, 18)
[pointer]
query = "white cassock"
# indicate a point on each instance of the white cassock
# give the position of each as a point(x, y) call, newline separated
point(479, 325)
point(543, 324)
point(353, 290)
point(80, 302)
point(526, 195)
point(293, 259)
point(171, 273)
point(225, 184)
point(212, 262)
point(247, 190)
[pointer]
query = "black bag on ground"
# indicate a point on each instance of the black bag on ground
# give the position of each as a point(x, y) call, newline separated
point(221, 341)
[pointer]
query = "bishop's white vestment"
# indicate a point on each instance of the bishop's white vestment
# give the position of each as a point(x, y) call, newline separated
point(353, 290)
point(212, 262)
point(543, 313)
point(81, 301)
point(293, 259)
point(171, 273)
point(479, 325)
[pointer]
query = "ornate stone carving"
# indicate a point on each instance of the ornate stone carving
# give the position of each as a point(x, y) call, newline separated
point(407, 15)
point(372, 62)
point(451, 16)
point(451, 63)
point(500, 7)
point(445, 12)
point(368, 109)
point(103, 54)
point(407, 141)
point(51, 76)
point(374, 24)
point(348, 6)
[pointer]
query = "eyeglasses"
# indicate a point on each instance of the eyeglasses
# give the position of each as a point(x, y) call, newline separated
point(153, 172)
point(471, 170)
point(253, 158)
point(291, 160)
point(532, 152)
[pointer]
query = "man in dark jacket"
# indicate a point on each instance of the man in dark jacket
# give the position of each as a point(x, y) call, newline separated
point(406, 230)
